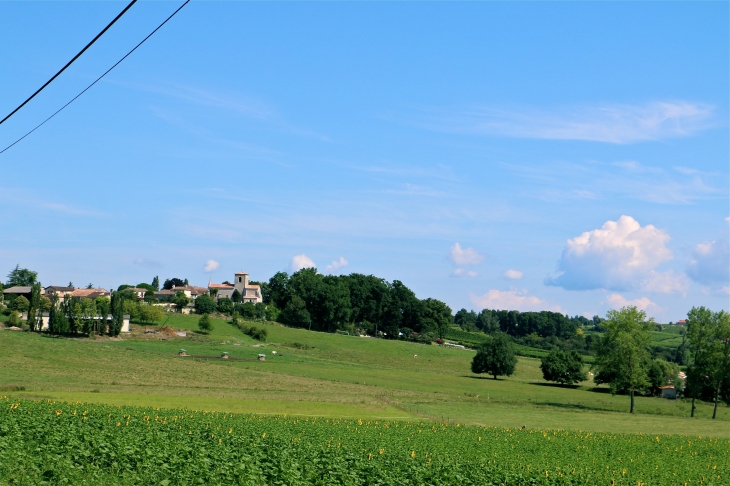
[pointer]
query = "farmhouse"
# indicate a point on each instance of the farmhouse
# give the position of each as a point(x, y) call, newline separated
point(190, 291)
point(248, 292)
point(90, 293)
point(668, 392)
point(18, 290)
point(57, 290)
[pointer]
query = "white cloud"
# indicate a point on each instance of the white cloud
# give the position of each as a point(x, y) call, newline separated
point(617, 301)
point(460, 272)
point(619, 124)
point(621, 255)
point(301, 261)
point(511, 300)
point(211, 265)
point(710, 264)
point(336, 264)
point(665, 282)
point(465, 256)
point(513, 274)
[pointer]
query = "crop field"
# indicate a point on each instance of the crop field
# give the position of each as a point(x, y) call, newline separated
point(75, 443)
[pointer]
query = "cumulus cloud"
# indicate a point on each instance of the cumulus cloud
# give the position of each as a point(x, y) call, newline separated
point(336, 264)
point(211, 265)
point(301, 261)
point(143, 262)
point(618, 123)
point(511, 300)
point(710, 264)
point(465, 256)
point(513, 274)
point(617, 301)
point(460, 272)
point(621, 255)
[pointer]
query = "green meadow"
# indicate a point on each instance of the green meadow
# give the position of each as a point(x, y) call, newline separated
point(326, 375)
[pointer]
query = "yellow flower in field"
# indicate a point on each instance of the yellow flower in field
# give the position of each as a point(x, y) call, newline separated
point(480, 439)
point(382, 450)
point(359, 421)
point(230, 431)
point(263, 435)
point(413, 454)
point(58, 412)
point(370, 456)
point(118, 424)
point(547, 474)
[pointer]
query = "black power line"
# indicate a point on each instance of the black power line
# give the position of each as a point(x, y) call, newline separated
point(99, 78)
point(71, 61)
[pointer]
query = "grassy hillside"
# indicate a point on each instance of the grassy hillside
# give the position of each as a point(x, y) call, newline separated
point(321, 374)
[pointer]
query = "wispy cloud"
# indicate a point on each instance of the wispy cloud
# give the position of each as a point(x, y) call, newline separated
point(563, 182)
point(616, 123)
point(234, 103)
point(24, 199)
point(143, 262)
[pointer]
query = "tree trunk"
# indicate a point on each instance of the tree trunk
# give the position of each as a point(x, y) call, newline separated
point(495, 376)
point(632, 401)
point(717, 393)
point(693, 408)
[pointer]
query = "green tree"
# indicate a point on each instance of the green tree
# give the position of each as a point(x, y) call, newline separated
point(45, 304)
point(180, 300)
point(622, 358)
point(20, 304)
point(204, 323)
point(156, 283)
point(225, 306)
point(103, 306)
point(495, 357)
point(663, 373)
point(150, 313)
point(117, 311)
point(277, 292)
point(563, 367)
point(236, 296)
point(34, 307)
point(436, 317)
point(149, 296)
point(295, 313)
point(467, 320)
point(172, 282)
point(700, 337)
point(204, 305)
point(21, 277)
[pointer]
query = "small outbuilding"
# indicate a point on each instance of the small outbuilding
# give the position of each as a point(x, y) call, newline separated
point(669, 392)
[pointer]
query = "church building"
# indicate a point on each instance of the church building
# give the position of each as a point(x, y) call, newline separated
point(248, 292)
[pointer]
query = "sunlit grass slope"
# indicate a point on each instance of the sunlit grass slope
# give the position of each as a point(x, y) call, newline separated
point(322, 374)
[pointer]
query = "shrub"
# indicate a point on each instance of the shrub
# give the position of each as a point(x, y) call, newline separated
point(225, 306)
point(258, 334)
point(205, 324)
point(20, 304)
point(14, 319)
point(204, 305)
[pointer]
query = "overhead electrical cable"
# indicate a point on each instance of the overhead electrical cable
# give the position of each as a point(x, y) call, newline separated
point(99, 78)
point(71, 61)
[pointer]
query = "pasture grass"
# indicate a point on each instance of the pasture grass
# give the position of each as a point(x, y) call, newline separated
point(323, 374)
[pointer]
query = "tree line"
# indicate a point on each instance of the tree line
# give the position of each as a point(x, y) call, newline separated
point(353, 303)
point(623, 359)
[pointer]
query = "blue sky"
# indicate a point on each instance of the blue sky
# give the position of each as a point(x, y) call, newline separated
point(563, 156)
